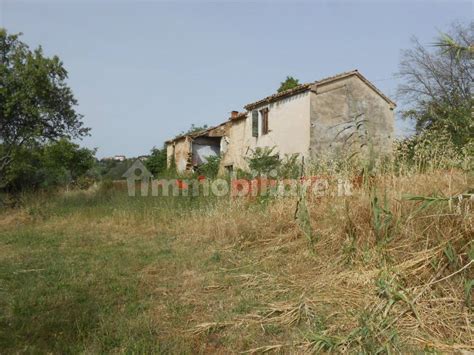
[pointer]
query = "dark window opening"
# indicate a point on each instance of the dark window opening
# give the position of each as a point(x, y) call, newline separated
point(264, 114)
point(255, 123)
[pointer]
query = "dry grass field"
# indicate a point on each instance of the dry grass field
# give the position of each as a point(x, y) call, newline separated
point(388, 269)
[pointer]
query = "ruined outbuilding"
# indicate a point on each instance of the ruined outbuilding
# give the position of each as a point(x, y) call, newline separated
point(188, 151)
point(325, 118)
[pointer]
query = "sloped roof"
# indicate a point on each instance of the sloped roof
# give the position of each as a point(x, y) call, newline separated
point(304, 87)
point(280, 95)
point(239, 116)
point(200, 133)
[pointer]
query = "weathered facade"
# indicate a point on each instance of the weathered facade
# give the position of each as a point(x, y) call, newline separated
point(191, 150)
point(335, 115)
point(347, 111)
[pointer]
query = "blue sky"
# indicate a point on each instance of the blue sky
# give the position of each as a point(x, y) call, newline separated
point(145, 71)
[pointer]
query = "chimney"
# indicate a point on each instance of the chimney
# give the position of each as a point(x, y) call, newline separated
point(234, 115)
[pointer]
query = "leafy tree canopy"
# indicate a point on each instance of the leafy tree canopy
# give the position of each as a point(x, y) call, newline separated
point(288, 84)
point(36, 105)
point(54, 164)
point(437, 81)
point(156, 162)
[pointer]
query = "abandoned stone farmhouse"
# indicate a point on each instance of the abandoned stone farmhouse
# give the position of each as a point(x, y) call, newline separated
point(335, 115)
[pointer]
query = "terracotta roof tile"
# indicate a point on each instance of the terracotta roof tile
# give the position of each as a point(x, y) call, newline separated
point(239, 116)
point(279, 95)
point(197, 133)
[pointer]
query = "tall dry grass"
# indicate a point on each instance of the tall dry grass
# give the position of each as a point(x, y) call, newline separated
point(388, 268)
point(389, 271)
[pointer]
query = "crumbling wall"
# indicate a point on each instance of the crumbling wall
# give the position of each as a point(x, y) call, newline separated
point(234, 156)
point(181, 149)
point(347, 114)
point(169, 153)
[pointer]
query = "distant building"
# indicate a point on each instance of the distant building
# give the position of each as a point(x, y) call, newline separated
point(119, 158)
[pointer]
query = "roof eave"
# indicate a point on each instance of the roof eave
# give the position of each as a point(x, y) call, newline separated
point(343, 76)
point(275, 97)
point(308, 86)
point(373, 87)
point(195, 134)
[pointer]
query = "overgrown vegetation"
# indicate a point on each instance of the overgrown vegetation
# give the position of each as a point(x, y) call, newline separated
point(36, 105)
point(267, 162)
point(193, 129)
point(210, 168)
point(156, 162)
point(437, 84)
point(385, 268)
point(288, 84)
point(388, 268)
point(50, 165)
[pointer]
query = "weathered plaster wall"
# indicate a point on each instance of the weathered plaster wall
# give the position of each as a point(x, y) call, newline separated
point(337, 107)
point(169, 153)
point(236, 145)
point(289, 131)
point(182, 150)
point(318, 122)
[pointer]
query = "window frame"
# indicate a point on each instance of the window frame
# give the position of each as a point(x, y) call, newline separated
point(264, 113)
point(255, 126)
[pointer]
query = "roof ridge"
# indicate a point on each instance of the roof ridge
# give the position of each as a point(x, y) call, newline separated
point(337, 76)
point(296, 89)
point(302, 87)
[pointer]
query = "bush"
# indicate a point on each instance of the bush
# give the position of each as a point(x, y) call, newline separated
point(429, 150)
point(209, 169)
point(290, 167)
point(264, 161)
point(84, 182)
point(51, 165)
point(156, 162)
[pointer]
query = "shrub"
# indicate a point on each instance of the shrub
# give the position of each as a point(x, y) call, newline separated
point(290, 167)
point(263, 161)
point(209, 169)
point(156, 163)
point(47, 166)
point(84, 182)
point(429, 150)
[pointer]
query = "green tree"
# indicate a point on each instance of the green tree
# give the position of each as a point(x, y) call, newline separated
point(437, 82)
point(27, 170)
point(54, 164)
point(288, 84)
point(156, 162)
point(36, 105)
point(116, 170)
point(67, 156)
